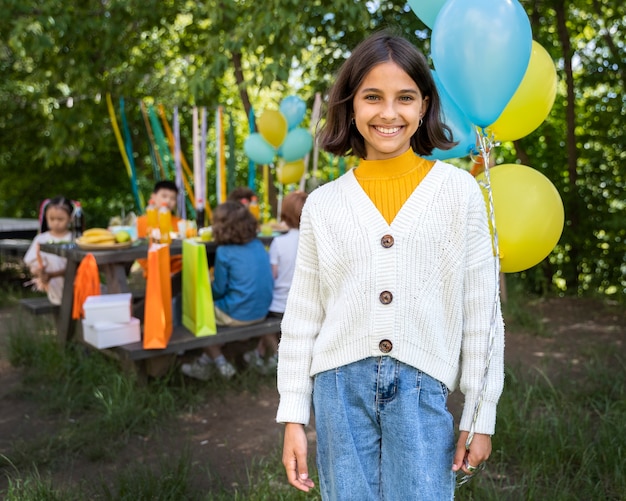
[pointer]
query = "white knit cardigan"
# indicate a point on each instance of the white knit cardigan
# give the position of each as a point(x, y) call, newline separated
point(440, 271)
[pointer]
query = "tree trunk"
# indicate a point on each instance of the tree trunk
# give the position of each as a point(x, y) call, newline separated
point(570, 145)
point(243, 90)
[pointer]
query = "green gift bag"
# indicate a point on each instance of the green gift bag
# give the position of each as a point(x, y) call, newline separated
point(198, 310)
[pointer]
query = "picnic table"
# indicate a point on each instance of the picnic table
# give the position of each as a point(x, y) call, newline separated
point(114, 264)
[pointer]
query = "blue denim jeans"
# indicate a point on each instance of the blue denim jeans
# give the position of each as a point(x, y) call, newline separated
point(384, 432)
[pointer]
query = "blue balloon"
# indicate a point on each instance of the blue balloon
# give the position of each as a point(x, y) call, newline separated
point(481, 50)
point(293, 109)
point(426, 10)
point(296, 145)
point(258, 149)
point(462, 128)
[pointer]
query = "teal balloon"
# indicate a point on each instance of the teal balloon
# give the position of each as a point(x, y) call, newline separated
point(462, 128)
point(296, 145)
point(481, 50)
point(426, 10)
point(293, 109)
point(258, 149)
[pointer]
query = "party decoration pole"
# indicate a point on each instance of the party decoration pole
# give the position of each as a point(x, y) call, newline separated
point(220, 166)
point(183, 160)
point(197, 175)
point(179, 171)
point(203, 134)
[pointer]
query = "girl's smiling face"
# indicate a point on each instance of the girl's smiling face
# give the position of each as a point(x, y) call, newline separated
point(388, 107)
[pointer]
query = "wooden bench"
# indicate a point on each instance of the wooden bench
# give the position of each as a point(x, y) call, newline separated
point(39, 306)
point(157, 362)
point(14, 247)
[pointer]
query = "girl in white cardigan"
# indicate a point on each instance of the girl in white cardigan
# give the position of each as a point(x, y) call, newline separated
point(392, 299)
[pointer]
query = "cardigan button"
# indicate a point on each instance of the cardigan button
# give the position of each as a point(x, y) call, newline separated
point(385, 346)
point(386, 241)
point(385, 297)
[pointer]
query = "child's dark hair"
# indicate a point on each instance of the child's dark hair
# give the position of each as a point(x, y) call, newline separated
point(291, 208)
point(165, 184)
point(340, 136)
point(233, 223)
point(241, 193)
point(60, 202)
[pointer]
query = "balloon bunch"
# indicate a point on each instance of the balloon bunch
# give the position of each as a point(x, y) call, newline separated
point(497, 84)
point(280, 135)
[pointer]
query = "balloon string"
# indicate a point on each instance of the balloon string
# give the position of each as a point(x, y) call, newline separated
point(486, 144)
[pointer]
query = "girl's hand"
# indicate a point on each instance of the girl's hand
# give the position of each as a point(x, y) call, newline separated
point(294, 457)
point(479, 452)
point(44, 277)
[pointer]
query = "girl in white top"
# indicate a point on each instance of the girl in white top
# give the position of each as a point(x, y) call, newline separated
point(48, 270)
point(392, 300)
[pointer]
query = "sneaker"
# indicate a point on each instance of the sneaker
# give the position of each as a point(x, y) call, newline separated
point(272, 363)
point(255, 361)
point(225, 369)
point(197, 370)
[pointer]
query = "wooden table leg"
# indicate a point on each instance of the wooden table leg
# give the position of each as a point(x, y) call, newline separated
point(116, 278)
point(65, 323)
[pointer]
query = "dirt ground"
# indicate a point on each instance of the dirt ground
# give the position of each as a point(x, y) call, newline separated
point(224, 437)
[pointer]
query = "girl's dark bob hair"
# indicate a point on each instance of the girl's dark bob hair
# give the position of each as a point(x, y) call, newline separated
point(233, 223)
point(340, 137)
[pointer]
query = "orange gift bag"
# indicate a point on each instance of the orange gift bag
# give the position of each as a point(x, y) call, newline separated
point(157, 328)
point(198, 311)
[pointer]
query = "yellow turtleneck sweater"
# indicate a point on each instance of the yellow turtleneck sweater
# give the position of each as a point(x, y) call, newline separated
point(389, 183)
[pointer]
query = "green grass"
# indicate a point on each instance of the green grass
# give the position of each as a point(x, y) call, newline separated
point(557, 439)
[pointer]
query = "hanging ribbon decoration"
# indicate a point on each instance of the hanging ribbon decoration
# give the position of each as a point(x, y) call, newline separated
point(183, 161)
point(266, 193)
point(120, 143)
point(157, 166)
point(163, 151)
point(199, 135)
point(231, 157)
point(179, 170)
point(139, 201)
point(203, 168)
point(220, 164)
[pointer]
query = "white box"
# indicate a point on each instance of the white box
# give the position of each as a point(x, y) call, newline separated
point(110, 308)
point(109, 334)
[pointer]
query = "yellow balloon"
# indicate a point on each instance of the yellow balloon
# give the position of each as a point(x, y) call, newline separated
point(532, 100)
point(528, 212)
point(272, 125)
point(290, 172)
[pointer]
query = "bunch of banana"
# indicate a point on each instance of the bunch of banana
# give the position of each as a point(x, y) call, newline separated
point(97, 236)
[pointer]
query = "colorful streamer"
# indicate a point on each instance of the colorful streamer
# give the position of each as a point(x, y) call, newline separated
point(186, 170)
point(220, 164)
point(179, 170)
point(157, 166)
point(118, 137)
point(128, 145)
